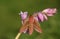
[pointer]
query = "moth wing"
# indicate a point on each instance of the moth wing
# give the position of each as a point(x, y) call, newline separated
point(30, 29)
point(37, 26)
point(24, 26)
point(25, 21)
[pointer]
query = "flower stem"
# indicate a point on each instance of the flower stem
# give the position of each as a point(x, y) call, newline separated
point(17, 35)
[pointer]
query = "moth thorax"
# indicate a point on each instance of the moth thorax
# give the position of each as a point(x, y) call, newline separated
point(31, 19)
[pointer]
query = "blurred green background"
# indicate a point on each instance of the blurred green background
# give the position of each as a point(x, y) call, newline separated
point(10, 21)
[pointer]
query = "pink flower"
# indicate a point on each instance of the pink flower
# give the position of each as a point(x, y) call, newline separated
point(36, 18)
point(23, 15)
point(49, 11)
point(42, 17)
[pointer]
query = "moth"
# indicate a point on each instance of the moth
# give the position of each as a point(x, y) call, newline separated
point(30, 24)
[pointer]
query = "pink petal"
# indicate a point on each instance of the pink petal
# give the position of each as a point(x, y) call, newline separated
point(41, 17)
point(36, 18)
point(23, 15)
point(49, 14)
point(54, 10)
point(46, 10)
point(45, 16)
point(49, 10)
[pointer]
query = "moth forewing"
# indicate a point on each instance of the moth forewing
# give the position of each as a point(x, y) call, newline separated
point(24, 26)
point(30, 29)
point(37, 26)
point(25, 21)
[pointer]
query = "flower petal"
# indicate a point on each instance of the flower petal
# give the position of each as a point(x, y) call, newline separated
point(45, 16)
point(36, 18)
point(46, 10)
point(23, 15)
point(49, 14)
point(41, 17)
point(54, 10)
point(49, 10)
